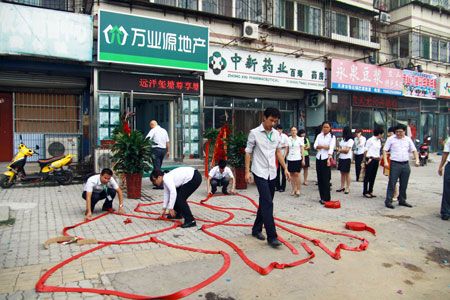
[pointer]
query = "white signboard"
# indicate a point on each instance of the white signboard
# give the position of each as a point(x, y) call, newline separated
point(235, 65)
point(44, 32)
point(444, 87)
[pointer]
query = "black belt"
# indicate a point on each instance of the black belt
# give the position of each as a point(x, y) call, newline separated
point(400, 162)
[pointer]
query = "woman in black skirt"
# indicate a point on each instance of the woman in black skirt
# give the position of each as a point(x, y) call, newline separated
point(345, 159)
point(294, 159)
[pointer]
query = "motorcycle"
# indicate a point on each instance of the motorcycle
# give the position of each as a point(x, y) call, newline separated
point(55, 168)
point(423, 151)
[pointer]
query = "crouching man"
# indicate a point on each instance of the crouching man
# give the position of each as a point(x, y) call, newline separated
point(101, 187)
point(179, 185)
point(221, 175)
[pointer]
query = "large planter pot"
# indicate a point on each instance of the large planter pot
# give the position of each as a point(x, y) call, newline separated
point(134, 185)
point(241, 184)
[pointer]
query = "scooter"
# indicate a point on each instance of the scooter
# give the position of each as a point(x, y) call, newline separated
point(423, 151)
point(52, 168)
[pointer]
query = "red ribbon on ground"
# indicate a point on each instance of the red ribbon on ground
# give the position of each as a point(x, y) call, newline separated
point(359, 226)
point(148, 237)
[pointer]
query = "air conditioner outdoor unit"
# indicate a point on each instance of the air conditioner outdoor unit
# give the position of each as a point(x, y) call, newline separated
point(102, 159)
point(383, 18)
point(250, 31)
point(315, 100)
point(61, 145)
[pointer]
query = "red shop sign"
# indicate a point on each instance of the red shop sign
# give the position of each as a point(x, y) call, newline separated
point(374, 101)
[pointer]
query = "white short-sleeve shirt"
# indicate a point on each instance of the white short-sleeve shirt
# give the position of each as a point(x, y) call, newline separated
point(263, 145)
point(94, 185)
point(215, 173)
point(373, 147)
point(399, 148)
point(173, 180)
point(159, 136)
point(295, 148)
point(447, 148)
point(348, 144)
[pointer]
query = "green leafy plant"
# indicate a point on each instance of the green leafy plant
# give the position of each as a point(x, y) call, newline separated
point(236, 144)
point(132, 154)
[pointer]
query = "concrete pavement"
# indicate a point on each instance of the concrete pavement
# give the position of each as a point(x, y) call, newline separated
point(408, 258)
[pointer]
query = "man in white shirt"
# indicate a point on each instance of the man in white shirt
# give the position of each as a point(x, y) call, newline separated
point(161, 145)
point(221, 175)
point(99, 187)
point(263, 147)
point(280, 173)
point(372, 160)
point(445, 205)
point(179, 184)
point(360, 142)
point(399, 146)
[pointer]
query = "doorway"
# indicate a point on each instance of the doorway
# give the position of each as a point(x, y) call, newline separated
point(6, 126)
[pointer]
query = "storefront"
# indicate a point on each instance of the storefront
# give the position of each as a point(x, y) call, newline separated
point(44, 100)
point(366, 96)
point(240, 84)
point(443, 120)
point(154, 73)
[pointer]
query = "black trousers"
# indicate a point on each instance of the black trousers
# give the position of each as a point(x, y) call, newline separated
point(183, 193)
point(159, 154)
point(281, 186)
point(358, 161)
point(95, 197)
point(323, 177)
point(266, 190)
point(371, 174)
point(445, 205)
point(219, 182)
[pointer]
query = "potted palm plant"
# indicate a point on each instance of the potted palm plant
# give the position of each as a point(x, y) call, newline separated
point(132, 156)
point(236, 144)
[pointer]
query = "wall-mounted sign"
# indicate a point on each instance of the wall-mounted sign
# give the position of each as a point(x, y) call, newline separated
point(374, 101)
point(111, 81)
point(44, 32)
point(138, 40)
point(444, 87)
point(419, 85)
point(361, 77)
point(235, 65)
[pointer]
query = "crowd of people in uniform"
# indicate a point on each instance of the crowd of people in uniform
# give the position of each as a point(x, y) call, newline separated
point(271, 159)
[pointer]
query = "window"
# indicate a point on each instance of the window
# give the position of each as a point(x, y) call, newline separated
point(359, 28)
point(340, 24)
point(252, 10)
point(189, 4)
point(66, 5)
point(443, 51)
point(309, 19)
point(284, 16)
point(425, 47)
point(394, 46)
point(220, 7)
point(404, 45)
point(434, 49)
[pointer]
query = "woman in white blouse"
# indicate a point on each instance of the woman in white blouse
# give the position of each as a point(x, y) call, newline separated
point(345, 159)
point(295, 160)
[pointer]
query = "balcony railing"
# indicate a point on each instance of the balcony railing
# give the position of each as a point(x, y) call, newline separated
point(63, 5)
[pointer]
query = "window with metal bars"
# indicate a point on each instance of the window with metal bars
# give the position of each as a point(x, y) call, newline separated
point(47, 113)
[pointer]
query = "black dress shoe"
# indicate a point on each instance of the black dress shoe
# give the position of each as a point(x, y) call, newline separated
point(190, 224)
point(445, 218)
point(372, 195)
point(259, 236)
point(225, 193)
point(367, 195)
point(405, 204)
point(322, 202)
point(274, 243)
point(281, 190)
point(389, 205)
point(177, 217)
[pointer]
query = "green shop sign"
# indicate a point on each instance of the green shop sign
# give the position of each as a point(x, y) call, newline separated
point(138, 40)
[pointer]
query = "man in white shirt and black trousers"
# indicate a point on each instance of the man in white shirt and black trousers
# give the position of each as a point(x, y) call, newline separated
point(399, 146)
point(99, 187)
point(445, 204)
point(372, 160)
point(179, 184)
point(263, 147)
point(161, 147)
point(221, 175)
